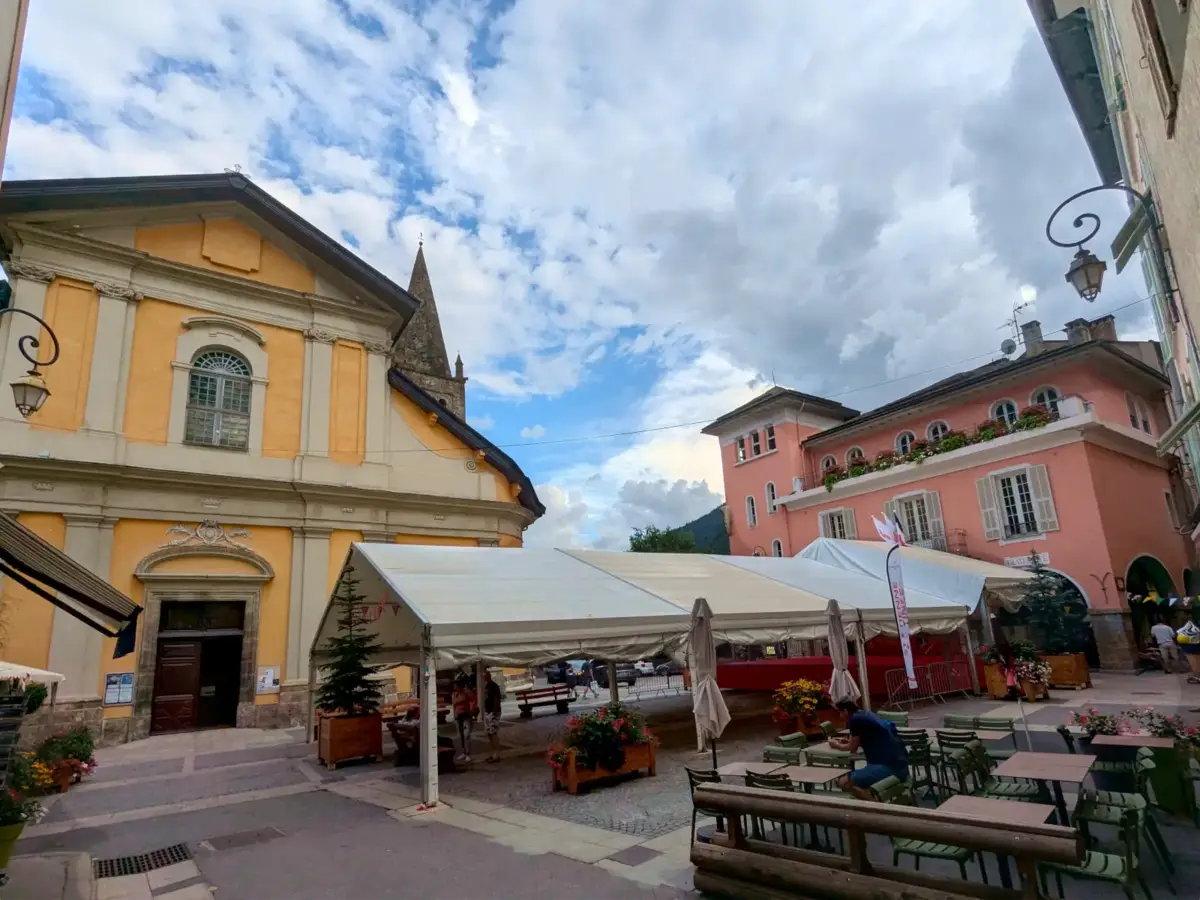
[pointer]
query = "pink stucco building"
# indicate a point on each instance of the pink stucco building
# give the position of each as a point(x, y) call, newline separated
point(1051, 453)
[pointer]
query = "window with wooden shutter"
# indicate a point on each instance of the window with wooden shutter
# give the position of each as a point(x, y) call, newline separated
point(849, 525)
point(989, 509)
point(1043, 500)
point(1154, 49)
point(751, 512)
point(889, 510)
point(771, 504)
point(776, 548)
point(933, 508)
point(832, 524)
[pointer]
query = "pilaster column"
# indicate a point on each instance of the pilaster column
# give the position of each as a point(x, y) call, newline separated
point(29, 283)
point(110, 357)
point(378, 402)
point(75, 647)
point(319, 355)
point(309, 595)
point(378, 537)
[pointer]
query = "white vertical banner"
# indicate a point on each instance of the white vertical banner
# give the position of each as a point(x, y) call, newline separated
point(900, 605)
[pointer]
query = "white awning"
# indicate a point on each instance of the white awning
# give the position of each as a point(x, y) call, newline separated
point(523, 607)
point(29, 673)
point(502, 607)
point(948, 576)
point(855, 591)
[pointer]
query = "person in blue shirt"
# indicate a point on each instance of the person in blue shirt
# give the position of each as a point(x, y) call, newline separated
point(881, 745)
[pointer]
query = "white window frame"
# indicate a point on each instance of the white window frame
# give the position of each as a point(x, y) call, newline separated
point(929, 429)
point(900, 437)
point(755, 444)
point(739, 449)
point(932, 506)
point(1050, 405)
point(844, 516)
point(1139, 413)
point(771, 495)
point(213, 332)
point(828, 462)
point(994, 410)
point(751, 511)
point(769, 431)
point(777, 545)
point(797, 484)
point(852, 460)
point(989, 495)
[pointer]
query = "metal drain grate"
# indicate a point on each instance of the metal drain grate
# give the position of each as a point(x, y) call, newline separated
point(142, 862)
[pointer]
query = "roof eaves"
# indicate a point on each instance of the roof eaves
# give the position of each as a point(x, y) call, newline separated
point(155, 190)
point(462, 431)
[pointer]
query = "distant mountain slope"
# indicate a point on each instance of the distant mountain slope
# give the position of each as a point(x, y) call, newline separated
point(709, 532)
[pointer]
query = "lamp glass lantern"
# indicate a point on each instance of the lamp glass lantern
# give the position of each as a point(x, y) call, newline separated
point(1086, 274)
point(29, 393)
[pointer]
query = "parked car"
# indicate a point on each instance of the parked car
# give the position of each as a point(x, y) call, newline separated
point(668, 667)
point(564, 672)
point(626, 673)
point(644, 667)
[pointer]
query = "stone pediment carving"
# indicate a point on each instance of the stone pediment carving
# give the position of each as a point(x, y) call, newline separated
point(209, 533)
point(223, 323)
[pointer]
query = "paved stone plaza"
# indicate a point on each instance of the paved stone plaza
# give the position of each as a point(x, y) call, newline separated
point(261, 820)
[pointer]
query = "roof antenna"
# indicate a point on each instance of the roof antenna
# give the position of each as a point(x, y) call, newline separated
point(236, 170)
point(1009, 345)
point(773, 381)
point(421, 239)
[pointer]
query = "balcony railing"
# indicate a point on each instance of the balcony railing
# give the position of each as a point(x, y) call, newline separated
point(1020, 529)
point(935, 541)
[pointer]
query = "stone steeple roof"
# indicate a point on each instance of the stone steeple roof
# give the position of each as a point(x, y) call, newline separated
point(420, 351)
point(421, 347)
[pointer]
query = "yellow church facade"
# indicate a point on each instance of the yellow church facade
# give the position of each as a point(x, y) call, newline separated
point(237, 399)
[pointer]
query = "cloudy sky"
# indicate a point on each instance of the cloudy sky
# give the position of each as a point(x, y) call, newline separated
point(636, 213)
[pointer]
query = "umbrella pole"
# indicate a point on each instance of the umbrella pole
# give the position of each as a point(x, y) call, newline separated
point(713, 743)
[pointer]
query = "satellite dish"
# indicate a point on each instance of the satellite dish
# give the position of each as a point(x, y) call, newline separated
point(1008, 346)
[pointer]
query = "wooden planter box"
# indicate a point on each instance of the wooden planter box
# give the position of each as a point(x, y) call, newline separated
point(571, 776)
point(349, 737)
point(1034, 691)
point(995, 681)
point(1070, 670)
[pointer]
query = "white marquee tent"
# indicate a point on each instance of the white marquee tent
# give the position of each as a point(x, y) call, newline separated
point(434, 607)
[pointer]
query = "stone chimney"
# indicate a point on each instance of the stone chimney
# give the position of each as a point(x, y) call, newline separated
point(1104, 329)
point(1031, 334)
point(1078, 331)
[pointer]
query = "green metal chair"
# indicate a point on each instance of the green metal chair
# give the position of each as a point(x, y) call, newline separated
point(897, 717)
point(702, 776)
point(771, 783)
point(1108, 808)
point(1122, 868)
point(953, 758)
point(895, 791)
point(959, 723)
point(788, 749)
point(998, 724)
point(921, 765)
point(1103, 766)
point(1001, 788)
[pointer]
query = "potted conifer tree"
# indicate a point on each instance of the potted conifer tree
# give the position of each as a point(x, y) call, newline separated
point(350, 726)
point(1059, 622)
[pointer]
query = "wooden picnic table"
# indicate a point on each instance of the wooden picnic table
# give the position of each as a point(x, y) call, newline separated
point(992, 810)
point(1132, 740)
point(1054, 768)
point(736, 769)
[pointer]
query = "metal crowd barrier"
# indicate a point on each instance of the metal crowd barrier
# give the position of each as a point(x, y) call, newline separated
point(647, 685)
point(934, 682)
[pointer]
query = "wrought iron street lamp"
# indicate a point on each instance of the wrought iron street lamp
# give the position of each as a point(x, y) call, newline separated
point(1086, 273)
point(30, 391)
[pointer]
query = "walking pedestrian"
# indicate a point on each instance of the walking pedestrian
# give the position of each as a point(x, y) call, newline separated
point(465, 704)
point(491, 716)
point(588, 679)
point(1168, 649)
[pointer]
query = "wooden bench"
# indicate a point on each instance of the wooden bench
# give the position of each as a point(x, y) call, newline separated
point(738, 864)
point(409, 709)
point(557, 695)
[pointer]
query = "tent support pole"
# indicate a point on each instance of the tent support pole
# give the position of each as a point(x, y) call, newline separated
point(310, 707)
point(613, 693)
point(985, 620)
point(428, 725)
point(965, 630)
point(860, 658)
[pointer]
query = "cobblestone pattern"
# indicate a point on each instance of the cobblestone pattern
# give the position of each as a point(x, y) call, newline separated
point(636, 805)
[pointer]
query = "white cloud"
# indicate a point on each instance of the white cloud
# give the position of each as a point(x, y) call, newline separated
point(481, 423)
point(582, 200)
point(533, 431)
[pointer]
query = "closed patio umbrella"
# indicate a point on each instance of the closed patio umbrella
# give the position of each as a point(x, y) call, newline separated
point(841, 685)
point(707, 703)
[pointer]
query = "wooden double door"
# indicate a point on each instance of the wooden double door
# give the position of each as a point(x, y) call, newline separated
point(196, 682)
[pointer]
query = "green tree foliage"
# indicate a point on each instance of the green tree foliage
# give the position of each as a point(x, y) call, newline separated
point(347, 686)
point(1057, 615)
point(661, 540)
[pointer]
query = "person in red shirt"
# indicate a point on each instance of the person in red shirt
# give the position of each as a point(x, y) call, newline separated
point(465, 705)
